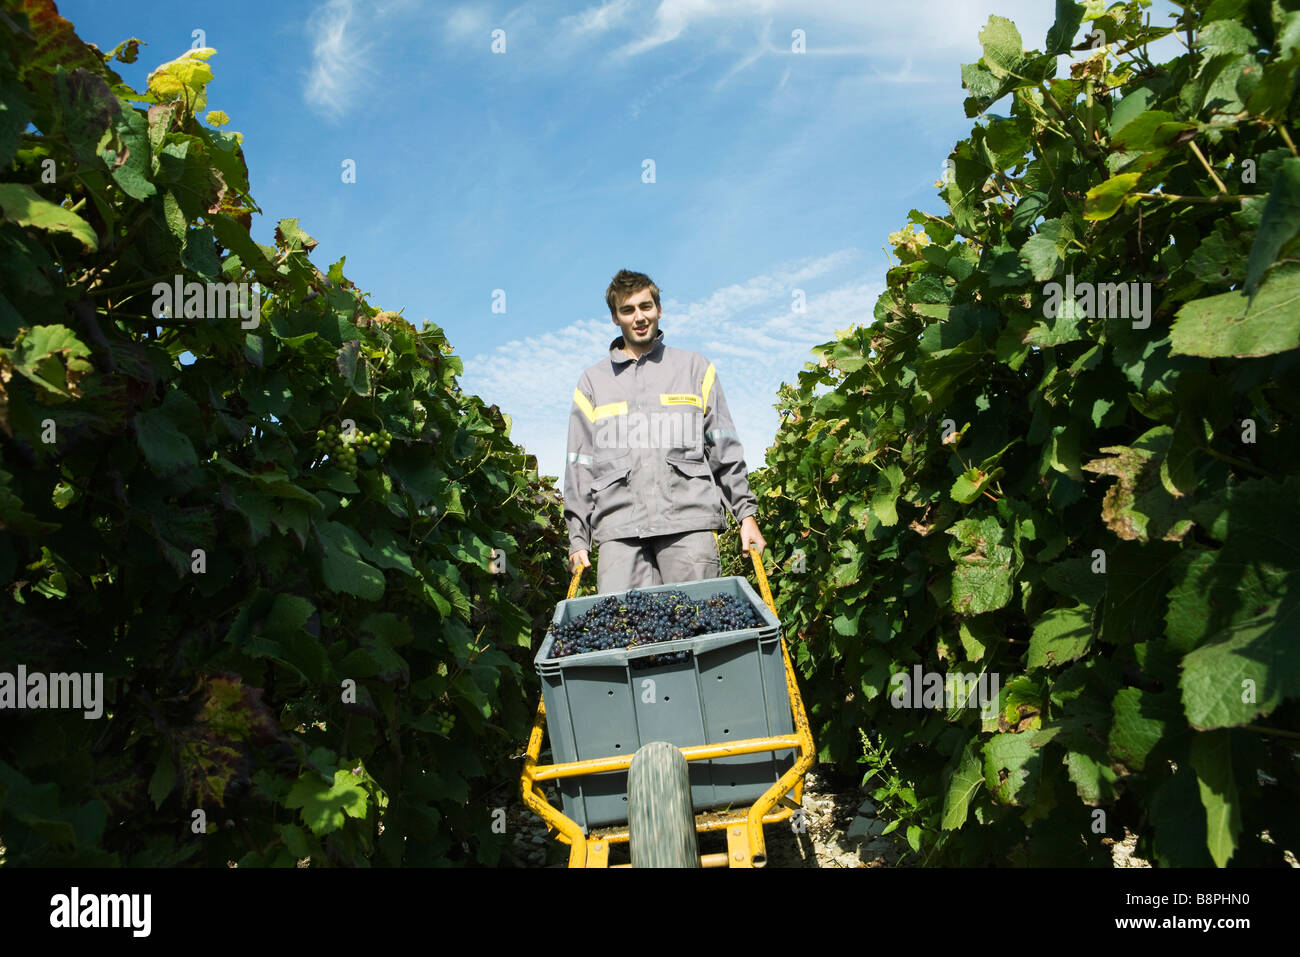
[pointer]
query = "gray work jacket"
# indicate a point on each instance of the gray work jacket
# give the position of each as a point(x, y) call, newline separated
point(651, 443)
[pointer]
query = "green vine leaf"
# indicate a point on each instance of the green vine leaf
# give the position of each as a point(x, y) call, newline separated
point(324, 807)
point(1211, 757)
point(22, 205)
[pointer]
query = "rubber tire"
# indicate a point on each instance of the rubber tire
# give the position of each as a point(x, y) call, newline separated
point(660, 815)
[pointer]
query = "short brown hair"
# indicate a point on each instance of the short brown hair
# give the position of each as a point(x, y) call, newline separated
point(624, 285)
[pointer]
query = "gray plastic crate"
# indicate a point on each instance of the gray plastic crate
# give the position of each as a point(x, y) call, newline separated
point(731, 688)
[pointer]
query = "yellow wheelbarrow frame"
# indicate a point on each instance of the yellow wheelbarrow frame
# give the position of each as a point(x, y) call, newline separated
point(745, 844)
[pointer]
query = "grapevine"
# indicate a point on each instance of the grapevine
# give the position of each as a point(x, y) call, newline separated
point(297, 617)
point(1085, 502)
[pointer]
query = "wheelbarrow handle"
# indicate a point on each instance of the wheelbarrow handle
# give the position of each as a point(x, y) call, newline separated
point(761, 575)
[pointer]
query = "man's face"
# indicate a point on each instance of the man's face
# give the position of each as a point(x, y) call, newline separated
point(638, 319)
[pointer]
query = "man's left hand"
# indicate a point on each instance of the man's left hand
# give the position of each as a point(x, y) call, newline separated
point(750, 535)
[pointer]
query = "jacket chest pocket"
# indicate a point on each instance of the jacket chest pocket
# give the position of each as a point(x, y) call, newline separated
point(609, 484)
point(691, 489)
point(599, 485)
point(688, 468)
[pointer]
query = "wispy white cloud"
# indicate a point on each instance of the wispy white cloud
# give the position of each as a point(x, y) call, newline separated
point(760, 49)
point(915, 44)
point(598, 19)
point(345, 36)
point(929, 30)
point(338, 59)
point(748, 330)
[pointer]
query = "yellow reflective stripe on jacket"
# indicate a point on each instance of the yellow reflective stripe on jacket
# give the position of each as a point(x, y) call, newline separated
point(667, 398)
point(707, 385)
point(600, 411)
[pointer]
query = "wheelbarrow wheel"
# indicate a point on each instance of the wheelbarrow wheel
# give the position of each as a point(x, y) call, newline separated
point(661, 817)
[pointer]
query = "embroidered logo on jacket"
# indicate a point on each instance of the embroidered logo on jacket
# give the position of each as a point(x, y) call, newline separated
point(666, 398)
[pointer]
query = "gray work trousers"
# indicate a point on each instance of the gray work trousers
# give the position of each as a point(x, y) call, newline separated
point(665, 559)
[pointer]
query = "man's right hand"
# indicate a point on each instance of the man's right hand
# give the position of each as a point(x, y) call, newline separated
point(580, 557)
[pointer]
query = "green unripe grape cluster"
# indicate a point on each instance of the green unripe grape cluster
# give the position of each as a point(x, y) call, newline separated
point(342, 447)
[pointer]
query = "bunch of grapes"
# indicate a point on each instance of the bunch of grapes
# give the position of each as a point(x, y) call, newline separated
point(644, 618)
point(342, 447)
point(444, 722)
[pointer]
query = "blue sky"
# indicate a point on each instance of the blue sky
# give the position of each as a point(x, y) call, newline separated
point(522, 170)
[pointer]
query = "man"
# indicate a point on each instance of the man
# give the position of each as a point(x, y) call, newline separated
point(651, 443)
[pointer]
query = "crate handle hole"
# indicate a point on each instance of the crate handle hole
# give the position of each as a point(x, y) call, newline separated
point(617, 746)
point(610, 693)
point(726, 731)
point(666, 698)
point(719, 677)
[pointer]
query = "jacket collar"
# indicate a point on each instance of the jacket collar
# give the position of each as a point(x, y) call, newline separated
point(618, 357)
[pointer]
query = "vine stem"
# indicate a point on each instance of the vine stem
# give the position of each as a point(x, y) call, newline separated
point(1208, 168)
point(1047, 119)
point(164, 322)
point(1232, 460)
point(1279, 732)
point(1286, 137)
point(477, 466)
point(1216, 200)
point(939, 219)
point(509, 497)
point(114, 290)
point(1081, 142)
